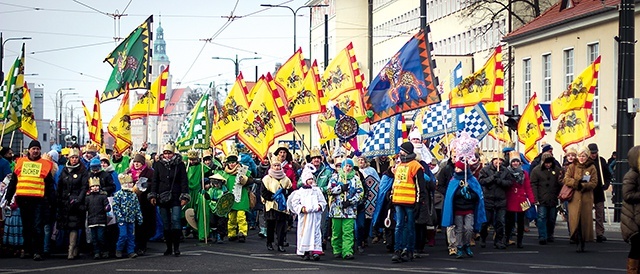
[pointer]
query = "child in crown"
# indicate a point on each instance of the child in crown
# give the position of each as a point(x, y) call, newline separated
point(127, 210)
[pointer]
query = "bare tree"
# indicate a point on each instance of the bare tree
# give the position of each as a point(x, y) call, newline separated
point(520, 11)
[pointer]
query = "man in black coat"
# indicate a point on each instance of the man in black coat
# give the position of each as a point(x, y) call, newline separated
point(495, 181)
point(604, 179)
point(546, 185)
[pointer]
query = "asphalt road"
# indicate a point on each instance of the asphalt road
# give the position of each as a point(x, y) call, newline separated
point(252, 256)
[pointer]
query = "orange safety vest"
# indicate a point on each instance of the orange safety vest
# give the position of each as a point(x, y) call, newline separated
point(404, 185)
point(30, 175)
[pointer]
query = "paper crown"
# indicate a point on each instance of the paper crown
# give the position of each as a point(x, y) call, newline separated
point(95, 181)
point(207, 153)
point(193, 154)
point(125, 178)
point(315, 152)
point(74, 152)
point(168, 147)
point(91, 147)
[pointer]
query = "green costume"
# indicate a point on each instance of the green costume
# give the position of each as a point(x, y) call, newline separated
point(194, 176)
point(121, 166)
point(231, 181)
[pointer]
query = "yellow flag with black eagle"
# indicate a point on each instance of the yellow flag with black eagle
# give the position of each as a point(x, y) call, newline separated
point(120, 125)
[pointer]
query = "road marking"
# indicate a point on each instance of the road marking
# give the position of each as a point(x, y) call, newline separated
point(539, 265)
point(80, 265)
point(509, 252)
point(263, 255)
point(285, 269)
point(147, 270)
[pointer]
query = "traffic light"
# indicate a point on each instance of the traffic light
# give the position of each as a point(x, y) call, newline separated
point(513, 117)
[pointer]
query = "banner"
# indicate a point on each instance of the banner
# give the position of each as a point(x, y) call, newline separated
point(342, 74)
point(120, 126)
point(530, 127)
point(291, 74)
point(153, 101)
point(575, 126)
point(309, 99)
point(194, 131)
point(580, 92)
point(232, 113)
point(485, 85)
point(28, 119)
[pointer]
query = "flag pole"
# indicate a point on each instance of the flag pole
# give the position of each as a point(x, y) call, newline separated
point(4, 125)
point(11, 140)
point(301, 140)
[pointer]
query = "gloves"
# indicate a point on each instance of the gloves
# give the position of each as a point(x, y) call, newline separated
point(345, 187)
point(346, 204)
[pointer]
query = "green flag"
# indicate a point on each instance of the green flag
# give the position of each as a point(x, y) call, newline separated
point(130, 62)
point(13, 84)
point(194, 132)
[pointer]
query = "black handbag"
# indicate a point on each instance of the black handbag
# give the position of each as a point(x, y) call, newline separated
point(164, 197)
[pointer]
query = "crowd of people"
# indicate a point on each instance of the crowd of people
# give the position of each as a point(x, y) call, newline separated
point(111, 205)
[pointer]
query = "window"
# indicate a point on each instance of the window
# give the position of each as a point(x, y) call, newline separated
point(594, 51)
point(568, 68)
point(526, 80)
point(546, 77)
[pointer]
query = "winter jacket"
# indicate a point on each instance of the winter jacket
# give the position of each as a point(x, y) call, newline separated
point(581, 205)
point(630, 217)
point(494, 184)
point(106, 182)
point(444, 176)
point(126, 207)
point(97, 205)
point(479, 213)
point(518, 193)
point(383, 203)
point(343, 204)
point(170, 176)
point(120, 165)
point(72, 188)
point(546, 184)
point(598, 192)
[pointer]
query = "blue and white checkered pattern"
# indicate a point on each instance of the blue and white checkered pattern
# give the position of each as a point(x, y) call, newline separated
point(380, 141)
point(438, 119)
point(476, 122)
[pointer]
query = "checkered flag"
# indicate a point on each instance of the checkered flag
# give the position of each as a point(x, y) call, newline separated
point(476, 122)
point(437, 119)
point(11, 93)
point(381, 137)
point(194, 132)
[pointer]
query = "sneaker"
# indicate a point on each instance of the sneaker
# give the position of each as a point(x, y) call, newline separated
point(511, 242)
point(241, 238)
point(396, 257)
point(499, 245)
point(601, 239)
point(349, 257)
point(104, 255)
point(404, 256)
point(119, 254)
point(337, 256)
point(467, 250)
point(316, 257)
point(37, 257)
point(306, 257)
point(459, 253)
point(140, 252)
point(452, 251)
point(132, 255)
point(96, 256)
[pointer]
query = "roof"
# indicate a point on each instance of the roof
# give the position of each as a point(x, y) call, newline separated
point(558, 15)
point(176, 95)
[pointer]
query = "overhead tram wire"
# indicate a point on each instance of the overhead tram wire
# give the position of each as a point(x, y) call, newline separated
point(72, 47)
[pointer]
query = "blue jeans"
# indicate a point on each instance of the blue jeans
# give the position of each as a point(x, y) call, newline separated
point(97, 239)
point(171, 217)
point(546, 222)
point(361, 234)
point(405, 236)
point(47, 238)
point(126, 237)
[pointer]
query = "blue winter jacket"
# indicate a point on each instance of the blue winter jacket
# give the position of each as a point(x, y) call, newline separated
point(479, 214)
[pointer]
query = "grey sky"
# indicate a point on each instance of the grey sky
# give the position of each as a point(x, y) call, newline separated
point(70, 40)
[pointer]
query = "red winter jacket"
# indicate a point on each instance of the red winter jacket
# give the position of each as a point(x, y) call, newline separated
point(518, 193)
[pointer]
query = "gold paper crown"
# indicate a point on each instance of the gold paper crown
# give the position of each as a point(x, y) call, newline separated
point(193, 154)
point(91, 147)
point(206, 152)
point(104, 157)
point(168, 147)
point(95, 181)
point(74, 152)
point(125, 178)
point(315, 152)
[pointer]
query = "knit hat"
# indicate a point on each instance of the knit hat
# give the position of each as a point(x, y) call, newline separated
point(347, 162)
point(4, 151)
point(95, 163)
point(547, 158)
point(35, 143)
point(54, 155)
point(139, 158)
point(407, 147)
point(459, 165)
point(307, 173)
point(593, 148)
point(546, 148)
point(572, 150)
point(514, 156)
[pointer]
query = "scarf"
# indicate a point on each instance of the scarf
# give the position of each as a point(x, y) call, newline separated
point(135, 173)
point(231, 171)
point(518, 174)
point(276, 174)
point(408, 158)
point(169, 162)
point(70, 167)
point(347, 176)
point(459, 175)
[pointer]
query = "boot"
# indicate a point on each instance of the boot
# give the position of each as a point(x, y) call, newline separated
point(431, 237)
point(168, 239)
point(176, 233)
point(632, 265)
point(73, 240)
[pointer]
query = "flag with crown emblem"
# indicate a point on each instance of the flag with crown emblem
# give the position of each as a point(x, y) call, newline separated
point(194, 132)
point(232, 113)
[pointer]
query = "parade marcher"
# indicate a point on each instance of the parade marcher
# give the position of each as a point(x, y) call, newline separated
point(5, 165)
point(370, 182)
point(275, 190)
point(32, 185)
point(463, 208)
point(581, 177)
point(142, 174)
point(72, 188)
point(126, 208)
point(284, 156)
point(519, 198)
point(97, 206)
point(218, 223)
point(238, 184)
point(196, 173)
point(495, 181)
point(308, 203)
point(546, 148)
point(210, 161)
point(604, 180)
point(409, 191)
point(425, 225)
point(443, 178)
point(120, 162)
point(546, 184)
point(170, 191)
point(90, 152)
point(384, 209)
point(108, 168)
point(106, 180)
point(258, 209)
point(345, 193)
point(50, 211)
point(630, 217)
point(381, 164)
point(321, 177)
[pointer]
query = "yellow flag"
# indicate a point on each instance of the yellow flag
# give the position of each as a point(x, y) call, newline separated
point(440, 147)
point(28, 124)
point(95, 130)
point(494, 107)
point(291, 74)
point(485, 85)
point(268, 118)
point(232, 113)
point(120, 125)
point(342, 74)
point(530, 127)
point(499, 132)
point(309, 100)
point(580, 93)
point(87, 114)
point(153, 101)
point(531, 153)
point(576, 126)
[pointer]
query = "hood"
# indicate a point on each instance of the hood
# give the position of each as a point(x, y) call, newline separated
point(632, 156)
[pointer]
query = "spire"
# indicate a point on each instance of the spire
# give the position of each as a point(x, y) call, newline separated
point(159, 45)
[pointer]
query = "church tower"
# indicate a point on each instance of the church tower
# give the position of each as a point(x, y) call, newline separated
point(160, 59)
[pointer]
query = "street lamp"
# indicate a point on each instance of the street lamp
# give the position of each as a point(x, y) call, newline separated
point(66, 107)
point(2, 51)
point(236, 62)
point(59, 97)
point(295, 14)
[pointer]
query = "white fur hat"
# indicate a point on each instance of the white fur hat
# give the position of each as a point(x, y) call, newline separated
point(307, 173)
